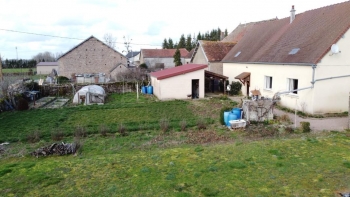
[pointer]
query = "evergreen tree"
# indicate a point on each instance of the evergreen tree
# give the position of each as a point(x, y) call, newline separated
point(176, 45)
point(199, 36)
point(182, 42)
point(226, 32)
point(189, 42)
point(165, 44)
point(177, 58)
point(170, 44)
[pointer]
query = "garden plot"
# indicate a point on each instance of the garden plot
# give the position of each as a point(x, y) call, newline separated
point(56, 103)
point(41, 102)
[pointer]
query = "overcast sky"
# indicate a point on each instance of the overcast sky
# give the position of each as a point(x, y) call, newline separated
point(145, 23)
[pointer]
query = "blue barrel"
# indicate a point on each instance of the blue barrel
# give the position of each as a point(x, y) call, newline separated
point(231, 116)
point(226, 117)
point(144, 90)
point(237, 112)
point(150, 90)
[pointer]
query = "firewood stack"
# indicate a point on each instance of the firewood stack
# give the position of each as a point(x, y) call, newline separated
point(57, 149)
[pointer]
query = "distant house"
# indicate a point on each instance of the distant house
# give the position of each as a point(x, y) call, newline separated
point(45, 68)
point(89, 57)
point(133, 58)
point(303, 58)
point(161, 58)
point(211, 53)
point(179, 82)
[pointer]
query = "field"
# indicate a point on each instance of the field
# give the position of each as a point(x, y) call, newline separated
point(152, 161)
point(16, 70)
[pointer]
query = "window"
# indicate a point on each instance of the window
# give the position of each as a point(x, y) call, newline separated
point(237, 54)
point(294, 51)
point(293, 85)
point(268, 82)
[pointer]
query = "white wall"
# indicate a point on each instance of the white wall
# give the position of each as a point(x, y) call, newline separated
point(178, 87)
point(45, 70)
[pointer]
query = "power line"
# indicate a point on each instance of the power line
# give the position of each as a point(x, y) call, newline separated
point(63, 37)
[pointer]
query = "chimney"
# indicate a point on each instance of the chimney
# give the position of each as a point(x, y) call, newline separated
point(222, 36)
point(292, 14)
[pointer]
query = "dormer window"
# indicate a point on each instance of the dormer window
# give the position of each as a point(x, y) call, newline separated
point(294, 51)
point(237, 54)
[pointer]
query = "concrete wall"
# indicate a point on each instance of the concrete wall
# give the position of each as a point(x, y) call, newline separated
point(178, 87)
point(91, 56)
point(45, 70)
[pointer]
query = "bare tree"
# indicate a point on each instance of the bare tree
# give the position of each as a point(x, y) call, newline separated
point(46, 56)
point(58, 55)
point(110, 40)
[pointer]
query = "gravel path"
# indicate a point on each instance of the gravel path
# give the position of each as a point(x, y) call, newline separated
point(318, 124)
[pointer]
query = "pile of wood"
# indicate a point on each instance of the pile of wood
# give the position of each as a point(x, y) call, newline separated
point(57, 149)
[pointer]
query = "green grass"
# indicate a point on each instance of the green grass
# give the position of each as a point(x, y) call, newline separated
point(113, 167)
point(16, 70)
point(148, 162)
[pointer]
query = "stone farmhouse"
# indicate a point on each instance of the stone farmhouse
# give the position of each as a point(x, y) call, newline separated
point(91, 56)
point(303, 58)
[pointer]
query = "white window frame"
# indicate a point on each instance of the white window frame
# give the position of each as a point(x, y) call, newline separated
point(268, 80)
point(291, 85)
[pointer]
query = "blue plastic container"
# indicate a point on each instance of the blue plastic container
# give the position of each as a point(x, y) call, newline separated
point(144, 90)
point(231, 116)
point(237, 112)
point(150, 90)
point(226, 113)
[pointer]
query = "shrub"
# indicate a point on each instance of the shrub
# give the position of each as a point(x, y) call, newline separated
point(57, 135)
point(33, 137)
point(235, 87)
point(283, 118)
point(122, 130)
point(305, 127)
point(289, 130)
point(143, 66)
point(22, 104)
point(62, 79)
point(201, 124)
point(183, 125)
point(103, 129)
point(164, 125)
point(80, 131)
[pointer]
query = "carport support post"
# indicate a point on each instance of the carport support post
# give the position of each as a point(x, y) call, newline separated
point(224, 86)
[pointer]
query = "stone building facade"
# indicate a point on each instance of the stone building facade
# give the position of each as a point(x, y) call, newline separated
point(92, 56)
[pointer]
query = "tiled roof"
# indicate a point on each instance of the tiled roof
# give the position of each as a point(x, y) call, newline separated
point(178, 70)
point(312, 32)
point(162, 53)
point(47, 64)
point(132, 54)
point(237, 34)
point(215, 50)
point(189, 55)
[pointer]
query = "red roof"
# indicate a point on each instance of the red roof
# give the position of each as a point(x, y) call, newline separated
point(312, 32)
point(179, 70)
point(162, 53)
point(215, 50)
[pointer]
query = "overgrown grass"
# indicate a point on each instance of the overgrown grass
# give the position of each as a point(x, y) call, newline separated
point(109, 166)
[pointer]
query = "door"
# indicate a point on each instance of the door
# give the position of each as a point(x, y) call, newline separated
point(195, 88)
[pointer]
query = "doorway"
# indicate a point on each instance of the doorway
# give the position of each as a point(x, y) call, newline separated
point(195, 88)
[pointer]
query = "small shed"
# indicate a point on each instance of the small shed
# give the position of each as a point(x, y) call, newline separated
point(45, 68)
point(181, 82)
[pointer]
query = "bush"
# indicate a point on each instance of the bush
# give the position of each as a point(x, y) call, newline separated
point(183, 125)
point(201, 124)
point(57, 135)
point(103, 129)
point(33, 137)
point(305, 127)
point(235, 87)
point(62, 79)
point(143, 66)
point(80, 131)
point(122, 130)
point(164, 125)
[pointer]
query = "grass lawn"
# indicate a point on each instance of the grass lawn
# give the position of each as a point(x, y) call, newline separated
point(149, 162)
point(16, 70)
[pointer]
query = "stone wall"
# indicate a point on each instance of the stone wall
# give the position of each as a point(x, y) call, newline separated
point(91, 56)
point(259, 110)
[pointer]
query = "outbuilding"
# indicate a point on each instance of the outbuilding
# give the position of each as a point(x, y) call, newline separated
point(181, 82)
point(45, 68)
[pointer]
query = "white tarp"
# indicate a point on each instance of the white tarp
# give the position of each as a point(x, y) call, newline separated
point(92, 94)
